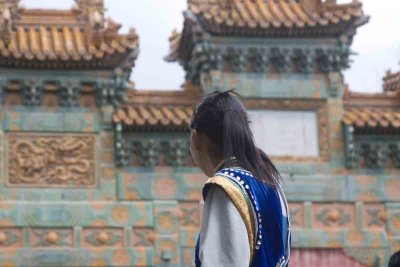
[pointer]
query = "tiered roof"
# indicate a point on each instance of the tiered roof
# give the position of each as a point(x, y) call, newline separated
point(76, 38)
point(377, 112)
point(265, 18)
point(275, 17)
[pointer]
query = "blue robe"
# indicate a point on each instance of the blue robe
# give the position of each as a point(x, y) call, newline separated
point(268, 208)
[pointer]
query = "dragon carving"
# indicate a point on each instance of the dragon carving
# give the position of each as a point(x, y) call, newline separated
point(51, 160)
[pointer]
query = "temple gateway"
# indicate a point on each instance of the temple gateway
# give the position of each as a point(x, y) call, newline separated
point(97, 173)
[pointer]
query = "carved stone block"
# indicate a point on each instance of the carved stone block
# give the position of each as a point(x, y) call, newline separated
point(394, 222)
point(166, 217)
point(177, 152)
point(395, 150)
point(189, 214)
point(297, 214)
point(392, 186)
point(47, 237)
point(148, 152)
point(10, 237)
point(51, 160)
point(258, 60)
point(375, 155)
point(32, 92)
point(69, 92)
point(333, 216)
point(165, 187)
point(281, 58)
point(374, 216)
point(103, 237)
point(143, 237)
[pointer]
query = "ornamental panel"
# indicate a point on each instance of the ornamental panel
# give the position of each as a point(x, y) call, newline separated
point(10, 237)
point(190, 214)
point(370, 150)
point(51, 160)
point(103, 237)
point(297, 215)
point(333, 216)
point(234, 57)
point(374, 216)
point(143, 237)
point(49, 237)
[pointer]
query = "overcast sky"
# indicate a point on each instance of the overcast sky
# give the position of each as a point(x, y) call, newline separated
point(377, 43)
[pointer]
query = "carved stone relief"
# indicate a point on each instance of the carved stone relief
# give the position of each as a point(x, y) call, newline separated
point(51, 160)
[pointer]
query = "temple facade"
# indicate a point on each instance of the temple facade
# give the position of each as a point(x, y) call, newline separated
point(97, 173)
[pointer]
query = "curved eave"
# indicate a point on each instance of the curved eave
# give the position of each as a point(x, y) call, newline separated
point(180, 47)
point(295, 31)
point(149, 117)
point(107, 62)
point(275, 18)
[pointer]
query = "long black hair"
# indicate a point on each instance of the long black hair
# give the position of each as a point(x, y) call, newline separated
point(395, 260)
point(224, 119)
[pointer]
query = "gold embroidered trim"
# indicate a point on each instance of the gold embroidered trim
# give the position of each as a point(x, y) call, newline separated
point(240, 202)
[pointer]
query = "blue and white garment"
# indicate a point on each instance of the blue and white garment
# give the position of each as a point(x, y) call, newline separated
point(270, 223)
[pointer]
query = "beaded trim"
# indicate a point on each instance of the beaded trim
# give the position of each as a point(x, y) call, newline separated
point(230, 173)
point(281, 262)
point(240, 200)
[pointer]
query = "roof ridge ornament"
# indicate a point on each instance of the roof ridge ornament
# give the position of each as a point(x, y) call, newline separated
point(310, 6)
point(112, 28)
point(391, 81)
point(5, 25)
point(228, 4)
point(13, 5)
point(92, 12)
point(8, 9)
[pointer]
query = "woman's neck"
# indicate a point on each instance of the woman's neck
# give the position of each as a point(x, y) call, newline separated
point(219, 166)
point(233, 163)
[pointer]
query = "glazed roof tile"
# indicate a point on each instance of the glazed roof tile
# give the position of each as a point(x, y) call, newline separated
point(67, 43)
point(274, 16)
point(265, 18)
point(148, 116)
point(42, 36)
point(372, 117)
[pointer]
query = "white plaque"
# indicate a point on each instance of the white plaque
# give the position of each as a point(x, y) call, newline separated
point(286, 133)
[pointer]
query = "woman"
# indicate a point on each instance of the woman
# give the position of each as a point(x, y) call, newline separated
point(245, 217)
